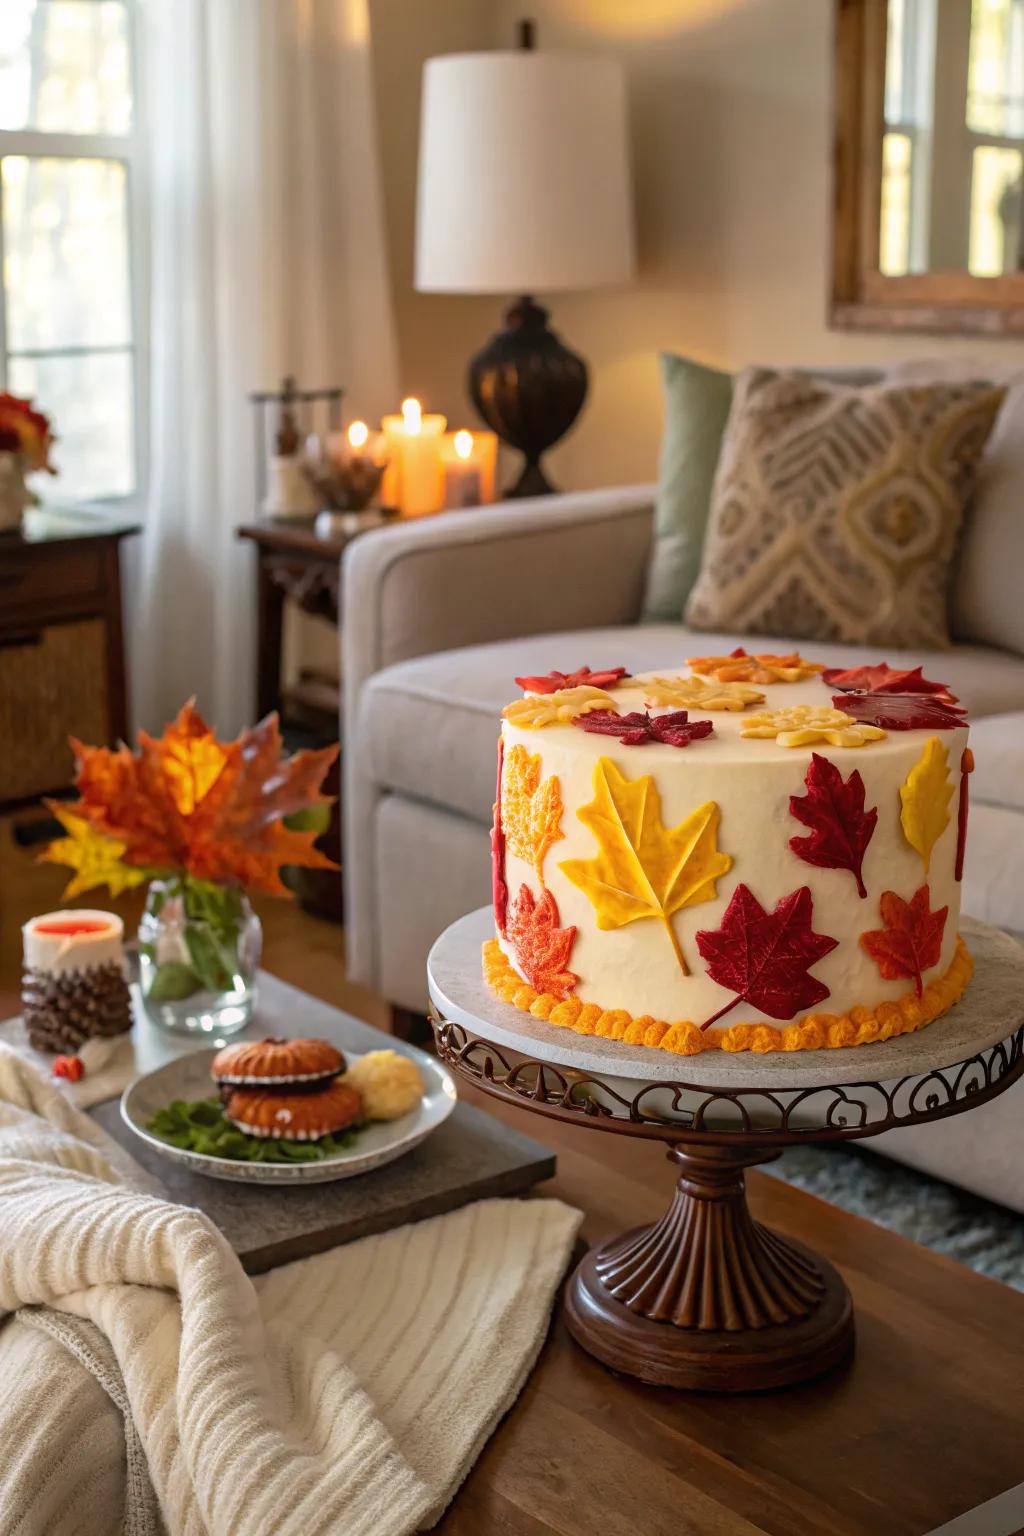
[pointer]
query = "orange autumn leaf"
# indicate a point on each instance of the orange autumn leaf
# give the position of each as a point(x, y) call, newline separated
point(213, 810)
point(531, 809)
point(540, 946)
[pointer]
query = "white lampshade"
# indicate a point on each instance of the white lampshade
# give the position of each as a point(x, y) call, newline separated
point(524, 175)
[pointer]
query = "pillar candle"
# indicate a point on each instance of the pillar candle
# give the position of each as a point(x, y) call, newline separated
point(469, 460)
point(413, 480)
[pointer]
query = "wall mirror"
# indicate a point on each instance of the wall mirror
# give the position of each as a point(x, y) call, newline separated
point(929, 165)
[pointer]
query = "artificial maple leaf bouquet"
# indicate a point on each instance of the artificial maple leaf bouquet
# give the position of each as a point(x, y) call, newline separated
point(207, 823)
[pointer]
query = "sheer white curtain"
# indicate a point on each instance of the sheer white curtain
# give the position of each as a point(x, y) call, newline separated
point(266, 256)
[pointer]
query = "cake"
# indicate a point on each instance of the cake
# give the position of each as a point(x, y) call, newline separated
point(747, 852)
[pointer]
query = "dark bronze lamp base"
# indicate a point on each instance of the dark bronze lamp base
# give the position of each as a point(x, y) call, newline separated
point(529, 389)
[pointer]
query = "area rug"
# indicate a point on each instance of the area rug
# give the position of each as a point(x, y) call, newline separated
point(963, 1226)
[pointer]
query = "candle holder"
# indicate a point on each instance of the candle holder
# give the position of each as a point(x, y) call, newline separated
point(73, 985)
point(345, 486)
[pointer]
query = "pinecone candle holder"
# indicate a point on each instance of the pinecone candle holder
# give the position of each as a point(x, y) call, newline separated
point(73, 985)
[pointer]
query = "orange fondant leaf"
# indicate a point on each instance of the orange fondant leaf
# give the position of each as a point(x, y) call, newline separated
point(531, 809)
point(911, 941)
point(214, 810)
point(541, 947)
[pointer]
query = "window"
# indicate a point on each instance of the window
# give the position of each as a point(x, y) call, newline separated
point(995, 125)
point(67, 311)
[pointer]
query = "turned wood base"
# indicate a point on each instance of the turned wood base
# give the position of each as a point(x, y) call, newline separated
point(707, 1298)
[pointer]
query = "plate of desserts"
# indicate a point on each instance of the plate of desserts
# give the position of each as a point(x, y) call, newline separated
point(289, 1111)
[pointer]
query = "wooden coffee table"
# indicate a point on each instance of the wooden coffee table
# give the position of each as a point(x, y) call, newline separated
point(925, 1423)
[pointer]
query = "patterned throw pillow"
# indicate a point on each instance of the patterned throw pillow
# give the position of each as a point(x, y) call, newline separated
point(836, 510)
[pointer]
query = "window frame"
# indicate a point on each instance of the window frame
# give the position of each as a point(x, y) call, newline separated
point(127, 150)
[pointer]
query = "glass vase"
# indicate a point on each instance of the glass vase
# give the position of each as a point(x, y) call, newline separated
point(199, 951)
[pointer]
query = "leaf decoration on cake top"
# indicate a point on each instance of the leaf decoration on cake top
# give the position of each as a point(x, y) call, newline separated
point(764, 957)
point(841, 828)
point(763, 667)
point(535, 711)
point(885, 679)
point(901, 711)
point(554, 682)
point(695, 692)
point(644, 869)
point(924, 796)
point(803, 724)
point(531, 809)
point(639, 727)
point(541, 947)
point(966, 767)
point(499, 885)
point(911, 941)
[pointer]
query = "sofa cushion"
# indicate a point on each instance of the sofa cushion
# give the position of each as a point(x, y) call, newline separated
point(428, 728)
point(998, 746)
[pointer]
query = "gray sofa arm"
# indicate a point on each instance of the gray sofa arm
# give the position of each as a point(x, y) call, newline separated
point(517, 568)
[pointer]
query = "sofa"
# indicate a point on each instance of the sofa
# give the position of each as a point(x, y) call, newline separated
point(439, 617)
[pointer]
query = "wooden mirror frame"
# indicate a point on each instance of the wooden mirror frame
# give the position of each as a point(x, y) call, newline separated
point(862, 297)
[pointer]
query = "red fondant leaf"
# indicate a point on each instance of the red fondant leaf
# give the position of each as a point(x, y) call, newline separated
point(499, 889)
point(552, 682)
point(885, 679)
point(901, 711)
point(911, 940)
point(541, 947)
point(639, 727)
point(764, 956)
point(966, 767)
point(840, 826)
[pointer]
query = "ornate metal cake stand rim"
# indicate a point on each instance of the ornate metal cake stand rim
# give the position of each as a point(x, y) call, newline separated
point(991, 1013)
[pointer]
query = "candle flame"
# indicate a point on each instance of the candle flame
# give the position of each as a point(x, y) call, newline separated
point(463, 444)
point(412, 415)
point(358, 433)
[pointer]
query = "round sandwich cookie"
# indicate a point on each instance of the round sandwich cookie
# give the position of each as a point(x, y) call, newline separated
point(294, 1116)
point(276, 1062)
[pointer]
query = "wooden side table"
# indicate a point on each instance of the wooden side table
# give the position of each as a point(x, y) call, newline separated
point(62, 664)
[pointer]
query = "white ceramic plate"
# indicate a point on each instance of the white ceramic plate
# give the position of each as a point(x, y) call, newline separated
point(189, 1078)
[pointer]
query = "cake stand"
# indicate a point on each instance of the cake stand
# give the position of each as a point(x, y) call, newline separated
point(707, 1297)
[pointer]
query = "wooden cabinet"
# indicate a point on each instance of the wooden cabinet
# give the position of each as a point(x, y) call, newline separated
point(62, 665)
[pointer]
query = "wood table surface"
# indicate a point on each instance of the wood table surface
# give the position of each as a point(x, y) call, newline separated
point(925, 1423)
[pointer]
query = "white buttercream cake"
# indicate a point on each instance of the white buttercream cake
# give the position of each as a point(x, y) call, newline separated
point(737, 853)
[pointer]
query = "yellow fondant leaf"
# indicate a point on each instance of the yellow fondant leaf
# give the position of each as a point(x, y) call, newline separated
point(803, 724)
point(531, 809)
point(643, 868)
point(537, 710)
point(95, 857)
point(695, 692)
point(925, 795)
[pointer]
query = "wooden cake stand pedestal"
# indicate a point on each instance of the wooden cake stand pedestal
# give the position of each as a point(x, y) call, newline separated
point(708, 1298)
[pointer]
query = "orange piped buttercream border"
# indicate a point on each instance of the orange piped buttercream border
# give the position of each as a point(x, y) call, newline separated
point(818, 1031)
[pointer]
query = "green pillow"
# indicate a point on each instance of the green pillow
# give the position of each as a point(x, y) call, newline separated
point(697, 401)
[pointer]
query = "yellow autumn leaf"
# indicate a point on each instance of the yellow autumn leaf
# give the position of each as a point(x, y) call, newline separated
point(537, 710)
point(695, 692)
point(531, 809)
point(94, 856)
point(925, 795)
point(643, 868)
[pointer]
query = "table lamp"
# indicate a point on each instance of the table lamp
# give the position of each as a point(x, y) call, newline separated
point(524, 188)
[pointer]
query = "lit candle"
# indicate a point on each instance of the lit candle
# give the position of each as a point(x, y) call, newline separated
point(469, 459)
point(413, 480)
point(73, 983)
point(358, 436)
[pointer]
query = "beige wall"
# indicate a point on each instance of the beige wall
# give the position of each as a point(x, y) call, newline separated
point(731, 140)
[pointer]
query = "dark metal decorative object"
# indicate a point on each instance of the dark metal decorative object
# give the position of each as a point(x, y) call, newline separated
point(707, 1298)
point(529, 389)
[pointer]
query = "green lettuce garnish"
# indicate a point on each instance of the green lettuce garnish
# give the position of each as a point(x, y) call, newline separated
point(201, 1126)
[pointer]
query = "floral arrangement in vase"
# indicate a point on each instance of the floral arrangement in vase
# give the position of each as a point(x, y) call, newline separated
point(25, 442)
point(206, 823)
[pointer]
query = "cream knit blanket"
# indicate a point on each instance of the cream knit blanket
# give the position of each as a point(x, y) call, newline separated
point(146, 1381)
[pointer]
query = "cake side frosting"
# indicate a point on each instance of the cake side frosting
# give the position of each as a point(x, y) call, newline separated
point(790, 862)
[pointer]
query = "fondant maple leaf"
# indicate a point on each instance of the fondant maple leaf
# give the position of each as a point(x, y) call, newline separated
point(802, 724)
point(841, 828)
point(696, 692)
point(644, 869)
point(210, 809)
point(499, 886)
point(764, 957)
point(885, 679)
point(533, 713)
point(552, 682)
point(924, 797)
point(901, 711)
point(639, 727)
point(531, 809)
point(763, 667)
point(541, 947)
point(911, 941)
